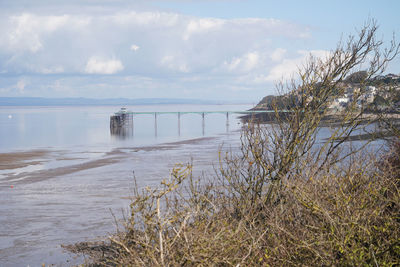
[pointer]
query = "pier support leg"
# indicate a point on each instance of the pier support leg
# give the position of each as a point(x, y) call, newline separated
point(155, 124)
point(179, 124)
point(203, 123)
point(227, 122)
point(133, 127)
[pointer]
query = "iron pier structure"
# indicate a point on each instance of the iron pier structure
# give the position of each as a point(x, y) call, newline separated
point(123, 119)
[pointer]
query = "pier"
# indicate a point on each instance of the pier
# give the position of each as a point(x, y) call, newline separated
point(122, 121)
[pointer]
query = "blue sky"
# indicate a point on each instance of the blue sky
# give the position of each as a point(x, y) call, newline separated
point(234, 50)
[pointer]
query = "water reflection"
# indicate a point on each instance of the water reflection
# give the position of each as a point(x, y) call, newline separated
point(89, 127)
point(122, 132)
point(122, 125)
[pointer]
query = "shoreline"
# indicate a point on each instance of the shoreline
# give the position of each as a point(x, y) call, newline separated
point(331, 118)
point(39, 215)
point(14, 161)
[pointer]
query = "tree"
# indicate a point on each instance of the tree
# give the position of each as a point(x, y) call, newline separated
point(280, 150)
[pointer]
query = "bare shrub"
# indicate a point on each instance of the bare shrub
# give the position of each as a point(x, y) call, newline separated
point(341, 218)
point(288, 198)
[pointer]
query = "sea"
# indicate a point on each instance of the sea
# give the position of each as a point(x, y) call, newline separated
point(65, 177)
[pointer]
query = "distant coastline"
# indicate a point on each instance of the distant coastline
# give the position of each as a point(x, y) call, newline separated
point(41, 101)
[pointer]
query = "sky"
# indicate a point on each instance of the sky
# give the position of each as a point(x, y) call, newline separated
point(225, 50)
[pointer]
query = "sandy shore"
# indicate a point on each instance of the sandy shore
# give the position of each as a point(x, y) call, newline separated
point(36, 176)
point(17, 160)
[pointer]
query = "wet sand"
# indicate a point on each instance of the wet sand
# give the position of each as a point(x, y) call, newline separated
point(42, 175)
point(49, 207)
point(17, 160)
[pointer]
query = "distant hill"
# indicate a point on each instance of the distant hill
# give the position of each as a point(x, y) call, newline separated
point(352, 81)
point(280, 102)
point(41, 101)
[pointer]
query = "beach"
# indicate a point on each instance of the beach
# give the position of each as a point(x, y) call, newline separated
point(76, 199)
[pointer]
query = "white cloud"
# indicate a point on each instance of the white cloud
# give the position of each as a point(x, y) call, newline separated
point(188, 51)
point(50, 70)
point(103, 66)
point(148, 18)
point(20, 86)
point(174, 63)
point(278, 54)
point(245, 63)
point(198, 26)
point(26, 31)
point(29, 27)
point(135, 47)
point(289, 67)
point(199, 44)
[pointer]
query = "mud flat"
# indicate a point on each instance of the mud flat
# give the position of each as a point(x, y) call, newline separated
point(17, 160)
point(11, 163)
point(71, 201)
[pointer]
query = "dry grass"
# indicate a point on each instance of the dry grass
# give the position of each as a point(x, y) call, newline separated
point(348, 215)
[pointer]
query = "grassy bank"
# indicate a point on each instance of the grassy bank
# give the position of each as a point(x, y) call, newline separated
point(347, 214)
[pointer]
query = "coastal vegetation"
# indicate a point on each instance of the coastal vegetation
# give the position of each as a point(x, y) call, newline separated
point(381, 92)
point(287, 197)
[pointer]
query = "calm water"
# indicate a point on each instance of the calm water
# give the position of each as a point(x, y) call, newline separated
point(65, 194)
point(69, 127)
